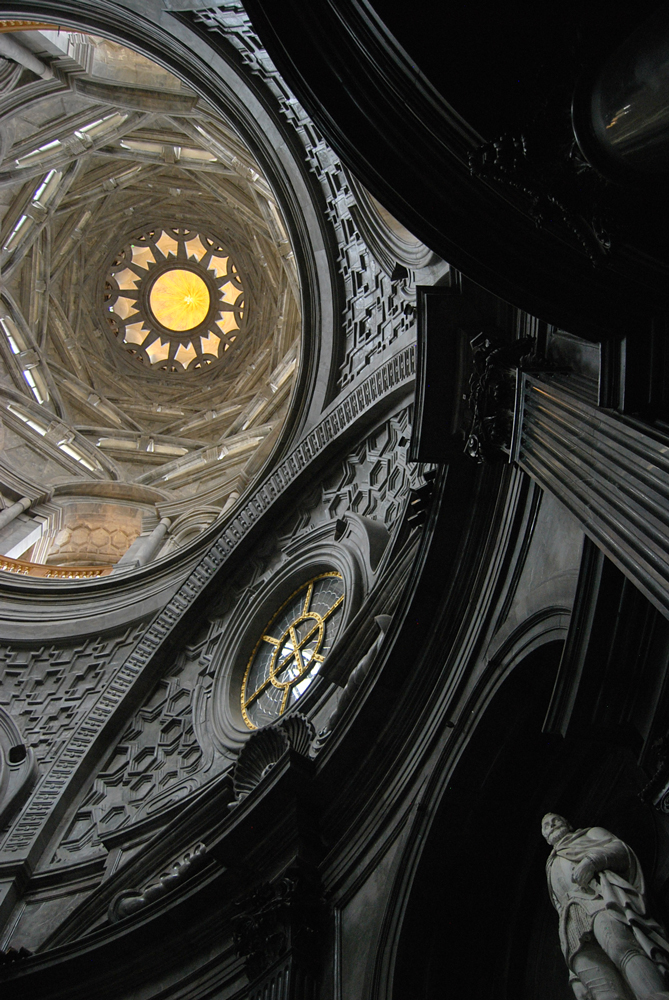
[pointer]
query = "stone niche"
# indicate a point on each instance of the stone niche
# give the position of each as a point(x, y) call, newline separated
point(92, 533)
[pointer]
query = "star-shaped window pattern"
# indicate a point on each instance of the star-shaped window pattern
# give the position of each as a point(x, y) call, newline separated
point(292, 648)
point(174, 300)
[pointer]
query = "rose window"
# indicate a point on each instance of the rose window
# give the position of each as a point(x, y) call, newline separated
point(175, 300)
point(291, 649)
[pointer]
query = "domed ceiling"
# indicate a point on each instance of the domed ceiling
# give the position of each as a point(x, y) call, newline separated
point(149, 314)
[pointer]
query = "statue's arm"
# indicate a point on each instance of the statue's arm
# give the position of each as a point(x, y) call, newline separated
point(613, 856)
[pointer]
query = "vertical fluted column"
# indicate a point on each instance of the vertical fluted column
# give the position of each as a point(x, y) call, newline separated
point(613, 477)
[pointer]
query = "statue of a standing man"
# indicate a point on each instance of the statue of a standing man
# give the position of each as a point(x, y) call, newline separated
point(613, 949)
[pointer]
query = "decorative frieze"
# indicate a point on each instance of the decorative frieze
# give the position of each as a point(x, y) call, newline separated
point(378, 308)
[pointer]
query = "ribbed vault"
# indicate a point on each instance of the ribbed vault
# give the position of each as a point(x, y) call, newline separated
point(101, 152)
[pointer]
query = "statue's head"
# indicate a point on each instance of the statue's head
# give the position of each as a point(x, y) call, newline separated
point(554, 828)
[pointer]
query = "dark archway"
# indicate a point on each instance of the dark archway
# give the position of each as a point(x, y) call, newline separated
point(479, 922)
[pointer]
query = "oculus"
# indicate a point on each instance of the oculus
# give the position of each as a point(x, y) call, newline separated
point(174, 300)
point(291, 649)
point(159, 365)
point(179, 300)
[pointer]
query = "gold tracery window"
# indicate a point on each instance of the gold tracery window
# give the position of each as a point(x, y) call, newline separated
point(291, 649)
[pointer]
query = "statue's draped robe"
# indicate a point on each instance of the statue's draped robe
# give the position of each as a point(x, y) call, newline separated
point(621, 892)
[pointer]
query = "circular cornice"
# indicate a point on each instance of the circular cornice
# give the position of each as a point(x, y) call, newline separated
point(211, 67)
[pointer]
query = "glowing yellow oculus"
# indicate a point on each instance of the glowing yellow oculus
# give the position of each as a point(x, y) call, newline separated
point(179, 299)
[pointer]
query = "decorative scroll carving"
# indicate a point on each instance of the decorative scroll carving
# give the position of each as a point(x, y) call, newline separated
point(561, 192)
point(266, 747)
point(130, 901)
point(280, 919)
point(492, 389)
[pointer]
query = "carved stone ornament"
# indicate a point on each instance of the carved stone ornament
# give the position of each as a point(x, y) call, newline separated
point(266, 747)
point(553, 188)
point(18, 768)
point(613, 948)
point(355, 679)
point(129, 901)
point(279, 918)
point(491, 398)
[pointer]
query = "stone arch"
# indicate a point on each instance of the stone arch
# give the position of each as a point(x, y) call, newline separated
point(469, 911)
point(470, 855)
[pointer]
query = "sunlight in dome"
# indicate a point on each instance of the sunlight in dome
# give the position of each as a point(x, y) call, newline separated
point(125, 307)
point(157, 351)
point(126, 279)
point(179, 299)
point(195, 248)
point(135, 333)
point(210, 344)
point(143, 256)
point(231, 294)
point(219, 265)
point(167, 244)
point(185, 354)
point(227, 323)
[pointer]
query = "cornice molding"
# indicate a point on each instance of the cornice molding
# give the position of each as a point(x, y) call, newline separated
point(411, 150)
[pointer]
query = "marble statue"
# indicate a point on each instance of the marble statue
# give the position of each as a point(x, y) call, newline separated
point(613, 949)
